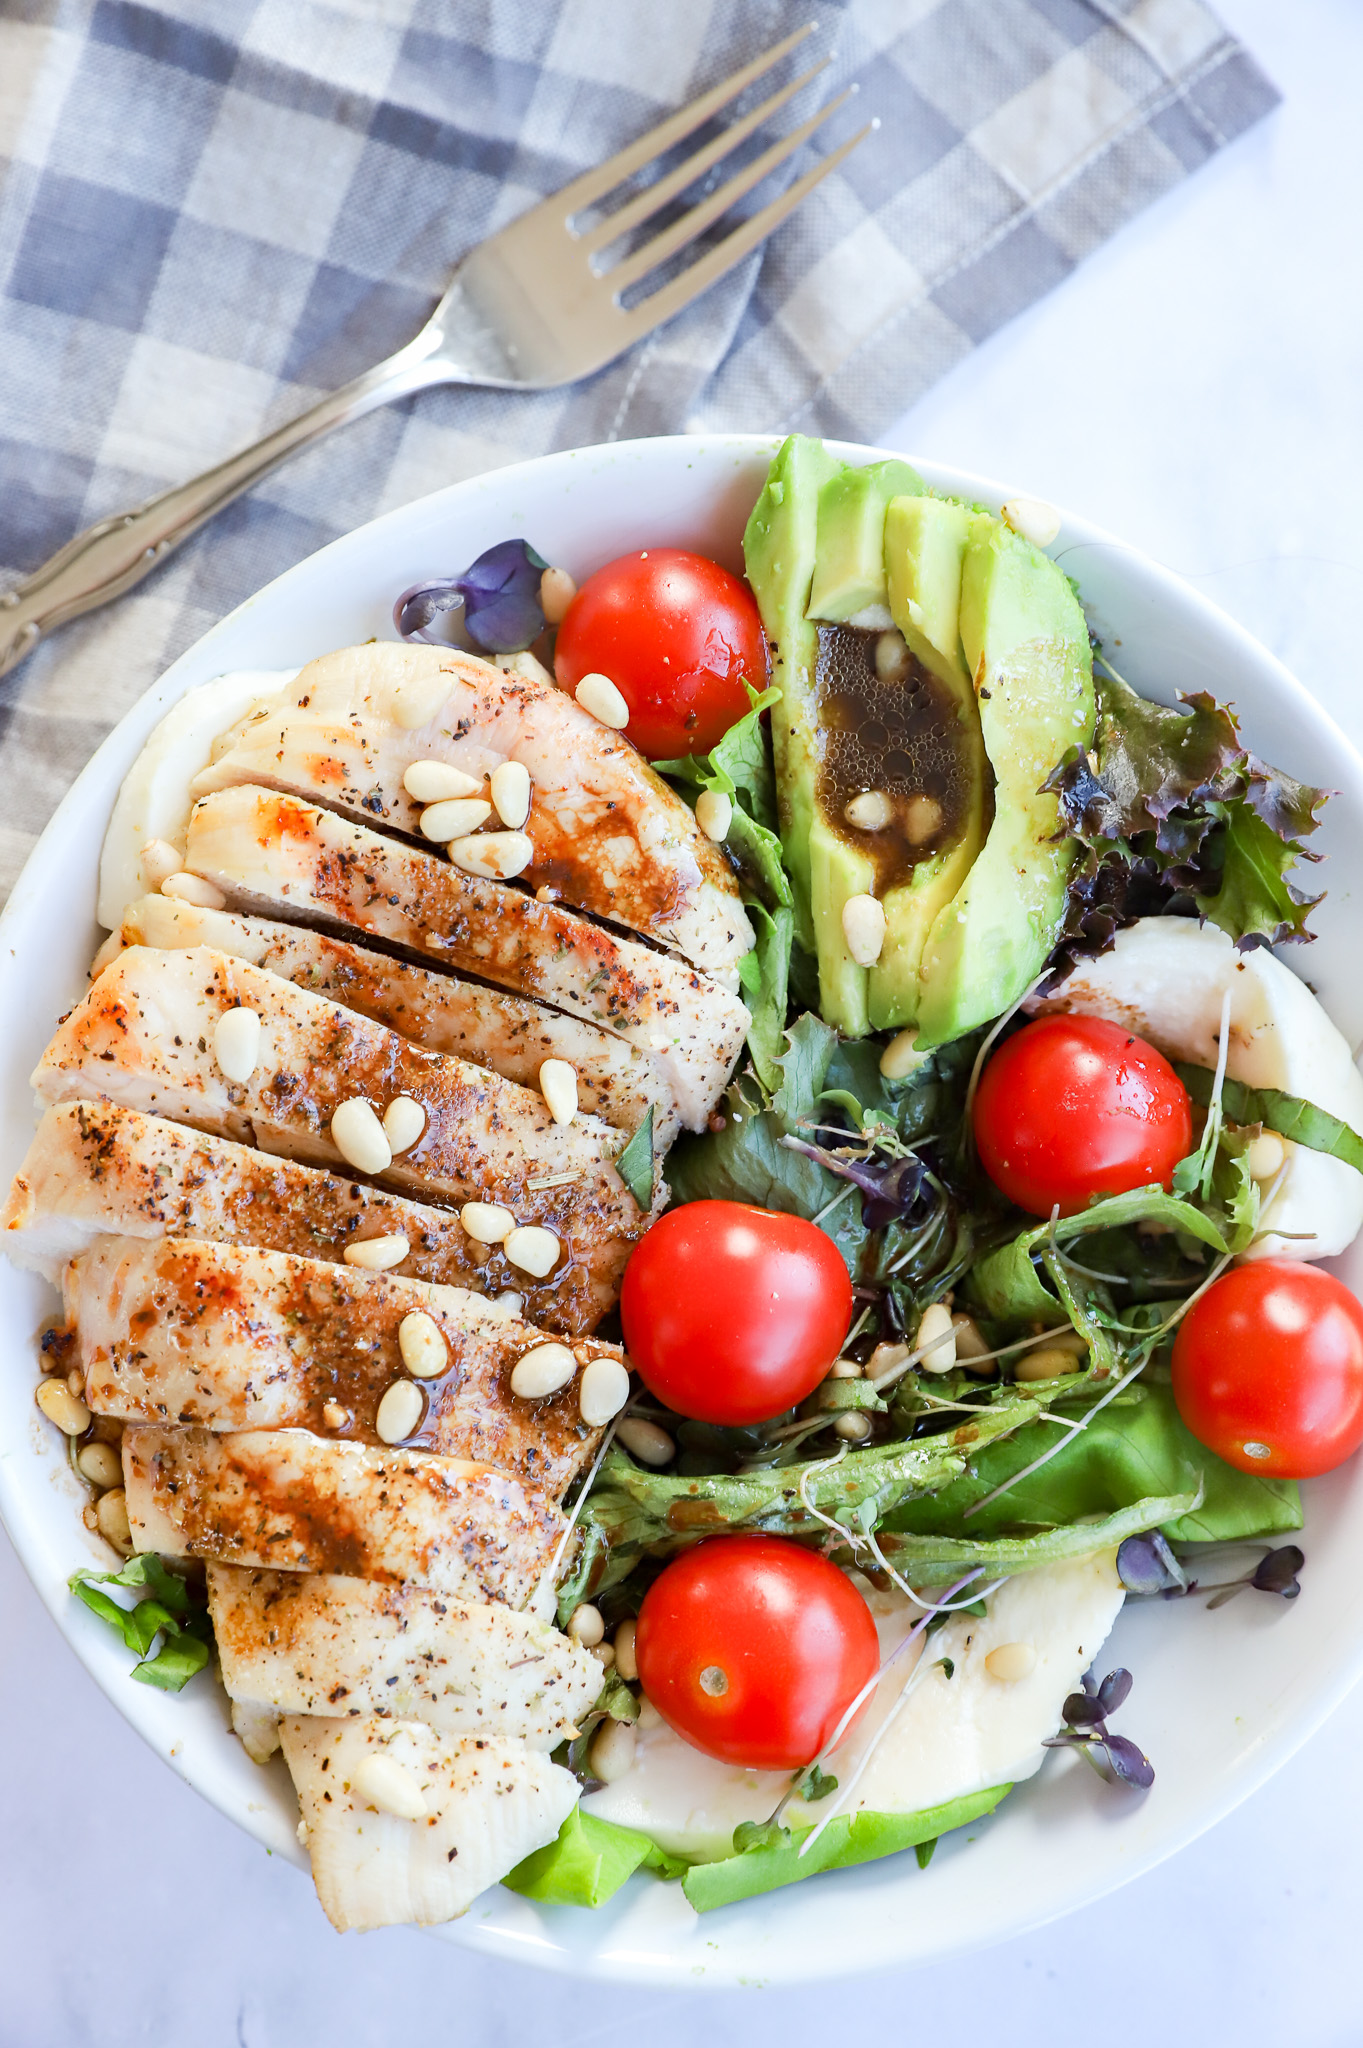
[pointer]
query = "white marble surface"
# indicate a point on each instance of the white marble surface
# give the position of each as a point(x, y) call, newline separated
point(1196, 389)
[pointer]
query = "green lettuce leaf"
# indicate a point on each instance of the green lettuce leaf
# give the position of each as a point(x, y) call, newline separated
point(1006, 1285)
point(1125, 1455)
point(165, 1609)
point(1288, 1115)
point(765, 974)
point(848, 1839)
point(588, 1862)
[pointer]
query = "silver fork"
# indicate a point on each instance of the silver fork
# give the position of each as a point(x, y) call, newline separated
point(532, 307)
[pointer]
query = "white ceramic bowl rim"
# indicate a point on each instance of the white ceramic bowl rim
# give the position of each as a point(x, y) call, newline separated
point(1058, 1842)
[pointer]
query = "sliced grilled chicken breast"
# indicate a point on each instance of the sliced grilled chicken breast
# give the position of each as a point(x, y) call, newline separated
point(146, 1035)
point(234, 1338)
point(305, 1643)
point(95, 1169)
point(510, 1035)
point(477, 1808)
point(302, 1503)
point(276, 855)
point(607, 832)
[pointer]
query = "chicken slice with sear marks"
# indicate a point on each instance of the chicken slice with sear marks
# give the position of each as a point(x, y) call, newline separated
point(315, 1643)
point(510, 1035)
point(296, 1502)
point(607, 832)
point(230, 1337)
point(284, 858)
point(96, 1169)
point(147, 1035)
point(403, 1824)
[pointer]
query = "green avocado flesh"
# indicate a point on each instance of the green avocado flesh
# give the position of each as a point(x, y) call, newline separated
point(954, 726)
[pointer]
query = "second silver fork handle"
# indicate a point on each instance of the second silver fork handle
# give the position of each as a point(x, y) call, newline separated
point(113, 555)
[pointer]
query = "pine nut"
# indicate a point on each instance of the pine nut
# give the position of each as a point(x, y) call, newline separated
point(558, 1086)
point(159, 860)
point(1032, 519)
point(359, 1137)
point(436, 782)
point(886, 1358)
point(335, 1416)
point(872, 811)
point(1010, 1662)
point(511, 1304)
point(853, 1427)
point(511, 793)
point(892, 657)
point(604, 1654)
point(185, 888)
point(612, 1751)
point(422, 1344)
point(598, 695)
point(585, 1626)
point(111, 1517)
point(542, 1371)
point(236, 1043)
point(557, 591)
point(970, 1343)
point(453, 818)
point(418, 700)
point(106, 954)
point(378, 1254)
point(89, 1516)
point(649, 1717)
point(404, 1120)
point(626, 1662)
point(61, 1406)
point(922, 817)
point(486, 1222)
point(1071, 1341)
point(645, 1441)
point(1265, 1155)
point(383, 1782)
point(604, 1391)
point(534, 1250)
point(400, 1411)
point(100, 1464)
point(899, 1059)
point(935, 1328)
point(714, 814)
point(863, 927)
point(495, 856)
point(75, 1380)
point(843, 1369)
point(1047, 1362)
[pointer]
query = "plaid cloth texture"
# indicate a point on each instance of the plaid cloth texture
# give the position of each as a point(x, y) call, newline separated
point(212, 211)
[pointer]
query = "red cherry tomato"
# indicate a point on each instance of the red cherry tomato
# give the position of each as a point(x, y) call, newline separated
point(752, 1649)
point(1268, 1369)
point(733, 1313)
point(678, 636)
point(1073, 1107)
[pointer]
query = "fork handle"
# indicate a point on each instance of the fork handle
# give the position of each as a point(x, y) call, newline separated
point(116, 553)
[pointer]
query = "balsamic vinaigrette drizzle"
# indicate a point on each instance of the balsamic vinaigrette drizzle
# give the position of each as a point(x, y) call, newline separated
point(902, 737)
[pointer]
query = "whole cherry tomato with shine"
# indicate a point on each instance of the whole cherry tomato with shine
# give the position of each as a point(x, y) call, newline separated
point(1073, 1107)
point(1268, 1369)
point(753, 1648)
point(678, 636)
point(733, 1313)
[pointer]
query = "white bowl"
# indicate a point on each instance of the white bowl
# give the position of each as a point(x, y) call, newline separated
point(1220, 1700)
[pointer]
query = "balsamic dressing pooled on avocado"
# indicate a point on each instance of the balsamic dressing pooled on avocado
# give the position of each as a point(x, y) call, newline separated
point(897, 736)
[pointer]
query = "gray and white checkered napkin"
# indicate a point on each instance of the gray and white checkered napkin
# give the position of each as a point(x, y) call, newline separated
point(211, 211)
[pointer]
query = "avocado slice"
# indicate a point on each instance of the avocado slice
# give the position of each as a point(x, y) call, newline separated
point(925, 543)
point(779, 546)
point(1026, 646)
point(849, 561)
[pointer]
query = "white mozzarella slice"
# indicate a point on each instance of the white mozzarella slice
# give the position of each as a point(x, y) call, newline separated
point(951, 1736)
point(155, 802)
point(1165, 979)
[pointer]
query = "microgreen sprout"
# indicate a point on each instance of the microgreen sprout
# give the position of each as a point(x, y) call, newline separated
point(1085, 1715)
point(1146, 1565)
point(499, 595)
